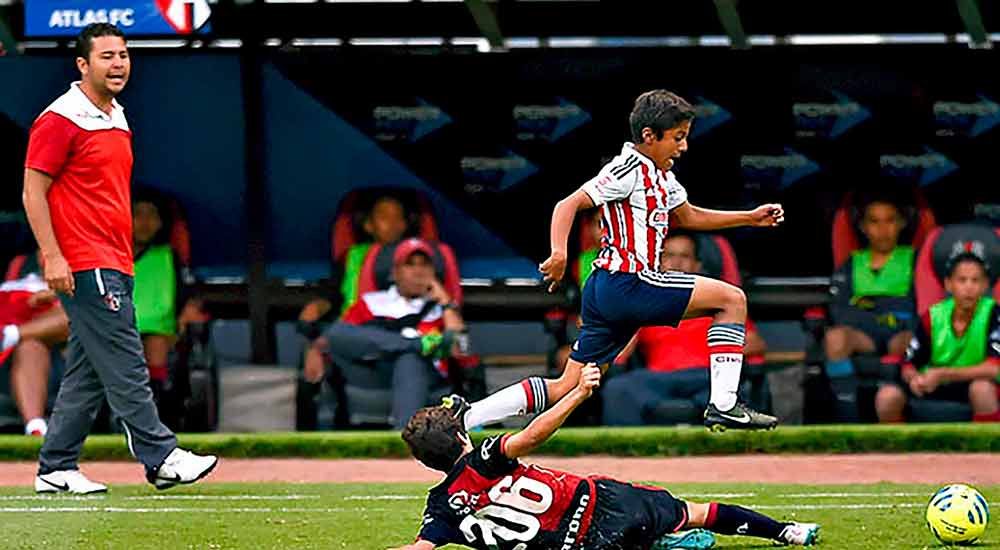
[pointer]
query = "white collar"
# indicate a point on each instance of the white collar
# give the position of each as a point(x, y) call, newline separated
point(629, 149)
point(88, 105)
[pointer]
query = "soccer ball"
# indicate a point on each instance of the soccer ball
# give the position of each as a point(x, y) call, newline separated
point(957, 514)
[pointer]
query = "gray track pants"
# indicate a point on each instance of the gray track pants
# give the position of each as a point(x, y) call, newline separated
point(105, 359)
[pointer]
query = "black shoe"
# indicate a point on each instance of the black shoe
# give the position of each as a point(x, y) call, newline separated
point(458, 407)
point(740, 417)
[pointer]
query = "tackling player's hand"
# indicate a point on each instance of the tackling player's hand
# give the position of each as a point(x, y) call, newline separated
point(590, 379)
point(58, 275)
point(553, 269)
point(767, 215)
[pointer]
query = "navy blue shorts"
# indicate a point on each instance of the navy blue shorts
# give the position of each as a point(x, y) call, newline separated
point(616, 305)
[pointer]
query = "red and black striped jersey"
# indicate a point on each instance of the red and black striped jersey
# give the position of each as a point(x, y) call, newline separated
point(491, 502)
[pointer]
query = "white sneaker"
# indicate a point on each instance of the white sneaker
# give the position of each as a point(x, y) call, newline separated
point(802, 534)
point(67, 481)
point(183, 467)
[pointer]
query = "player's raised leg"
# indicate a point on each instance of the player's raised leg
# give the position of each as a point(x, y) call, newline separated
point(727, 305)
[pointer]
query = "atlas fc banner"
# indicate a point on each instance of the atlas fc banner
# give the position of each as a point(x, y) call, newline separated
point(134, 17)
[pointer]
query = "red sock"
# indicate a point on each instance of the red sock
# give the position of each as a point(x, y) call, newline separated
point(158, 372)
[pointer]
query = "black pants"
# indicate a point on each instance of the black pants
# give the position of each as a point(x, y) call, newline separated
point(105, 360)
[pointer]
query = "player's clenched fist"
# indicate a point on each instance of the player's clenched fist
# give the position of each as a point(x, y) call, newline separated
point(767, 215)
point(553, 269)
point(590, 378)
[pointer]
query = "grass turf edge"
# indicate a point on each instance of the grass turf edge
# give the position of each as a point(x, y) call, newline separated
point(647, 441)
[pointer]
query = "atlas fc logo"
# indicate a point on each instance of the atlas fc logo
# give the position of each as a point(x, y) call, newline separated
point(113, 302)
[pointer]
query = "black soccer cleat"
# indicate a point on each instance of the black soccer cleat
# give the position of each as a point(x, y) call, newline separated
point(740, 417)
point(458, 407)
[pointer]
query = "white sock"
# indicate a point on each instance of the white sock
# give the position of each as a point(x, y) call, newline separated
point(525, 397)
point(11, 336)
point(725, 352)
point(726, 369)
point(36, 424)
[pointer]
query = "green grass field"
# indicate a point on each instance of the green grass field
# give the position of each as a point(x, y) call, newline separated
point(370, 517)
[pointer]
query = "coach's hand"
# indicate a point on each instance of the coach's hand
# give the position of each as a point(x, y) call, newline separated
point(767, 215)
point(58, 275)
point(590, 378)
point(553, 269)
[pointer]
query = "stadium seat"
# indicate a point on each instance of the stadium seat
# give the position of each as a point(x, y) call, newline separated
point(941, 244)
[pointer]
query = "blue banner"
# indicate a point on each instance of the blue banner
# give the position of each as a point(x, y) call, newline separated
point(44, 18)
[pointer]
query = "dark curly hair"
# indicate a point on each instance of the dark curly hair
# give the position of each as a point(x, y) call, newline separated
point(432, 435)
point(658, 110)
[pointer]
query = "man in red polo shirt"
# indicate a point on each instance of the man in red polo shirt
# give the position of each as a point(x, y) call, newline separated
point(76, 194)
point(676, 359)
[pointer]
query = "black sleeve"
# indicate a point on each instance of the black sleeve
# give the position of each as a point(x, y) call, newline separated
point(993, 340)
point(918, 353)
point(435, 528)
point(489, 460)
point(841, 292)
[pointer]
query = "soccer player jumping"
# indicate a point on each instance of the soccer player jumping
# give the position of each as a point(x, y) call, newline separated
point(640, 198)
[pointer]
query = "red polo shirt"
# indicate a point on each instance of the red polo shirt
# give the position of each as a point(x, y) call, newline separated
point(88, 154)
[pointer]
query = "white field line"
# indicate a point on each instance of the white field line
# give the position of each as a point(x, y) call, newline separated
point(65, 498)
point(225, 497)
point(696, 496)
point(182, 510)
point(197, 510)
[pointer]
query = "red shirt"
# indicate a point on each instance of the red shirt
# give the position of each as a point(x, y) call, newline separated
point(669, 349)
point(88, 154)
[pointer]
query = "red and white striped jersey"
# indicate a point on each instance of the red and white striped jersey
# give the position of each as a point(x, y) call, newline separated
point(636, 198)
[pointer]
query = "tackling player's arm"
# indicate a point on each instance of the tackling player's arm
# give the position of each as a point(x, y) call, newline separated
point(547, 423)
point(554, 267)
point(696, 218)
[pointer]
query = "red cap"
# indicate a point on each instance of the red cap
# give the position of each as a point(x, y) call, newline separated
point(410, 247)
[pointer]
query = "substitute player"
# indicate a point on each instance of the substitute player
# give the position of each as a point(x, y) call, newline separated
point(490, 501)
point(640, 198)
point(76, 194)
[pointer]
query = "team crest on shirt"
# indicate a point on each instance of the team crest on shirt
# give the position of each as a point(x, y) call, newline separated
point(113, 302)
point(659, 218)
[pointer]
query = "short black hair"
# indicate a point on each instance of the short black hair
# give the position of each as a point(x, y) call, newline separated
point(85, 40)
point(163, 208)
point(961, 258)
point(432, 435)
point(658, 110)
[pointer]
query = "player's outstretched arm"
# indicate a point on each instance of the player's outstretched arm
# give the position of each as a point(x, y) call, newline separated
point(696, 218)
point(546, 424)
point(554, 267)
